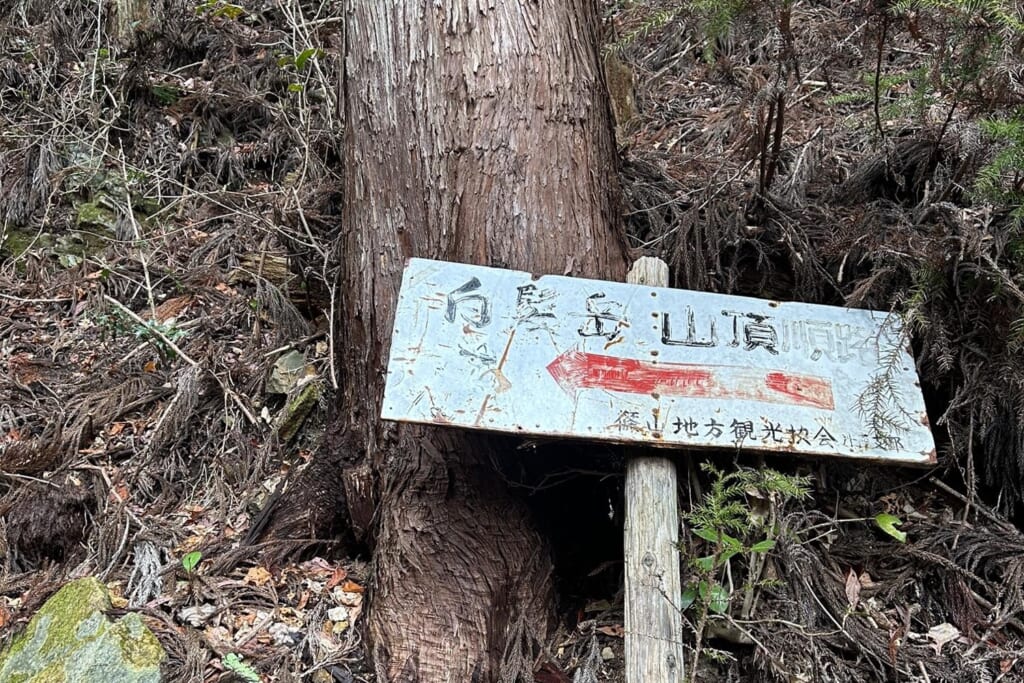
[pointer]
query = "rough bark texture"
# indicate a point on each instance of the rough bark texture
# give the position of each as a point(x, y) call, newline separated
point(478, 132)
point(128, 14)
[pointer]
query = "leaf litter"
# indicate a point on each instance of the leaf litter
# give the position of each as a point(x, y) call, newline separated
point(168, 212)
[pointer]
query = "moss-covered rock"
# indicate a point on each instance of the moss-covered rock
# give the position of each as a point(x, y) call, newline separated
point(95, 214)
point(298, 409)
point(70, 640)
point(17, 241)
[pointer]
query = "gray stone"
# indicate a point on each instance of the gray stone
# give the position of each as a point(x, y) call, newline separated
point(70, 640)
point(286, 373)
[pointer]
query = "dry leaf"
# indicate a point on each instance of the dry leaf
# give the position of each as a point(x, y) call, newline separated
point(119, 493)
point(245, 619)
point(895, 640)
point(258, 576)
point(942, 634)
point(351, 587)
point(218, 638)
point(852, 589)
point(613, 630)
point(339, 575)
point(318, 565)
point(194, 512)
point(198, 615)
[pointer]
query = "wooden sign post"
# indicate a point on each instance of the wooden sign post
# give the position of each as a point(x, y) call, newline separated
point(654, 621)
point(636, 363)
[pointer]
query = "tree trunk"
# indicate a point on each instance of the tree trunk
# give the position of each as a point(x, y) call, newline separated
point(477, 132)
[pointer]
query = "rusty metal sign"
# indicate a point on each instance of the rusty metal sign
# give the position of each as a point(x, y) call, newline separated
point(499, 350)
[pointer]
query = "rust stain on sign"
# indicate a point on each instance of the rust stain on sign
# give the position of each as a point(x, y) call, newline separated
point(554, 356)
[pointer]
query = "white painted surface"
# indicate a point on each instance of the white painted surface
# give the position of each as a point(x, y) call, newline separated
point(500, 350)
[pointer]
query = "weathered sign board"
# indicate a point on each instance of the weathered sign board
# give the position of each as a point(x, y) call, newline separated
point(499, 350)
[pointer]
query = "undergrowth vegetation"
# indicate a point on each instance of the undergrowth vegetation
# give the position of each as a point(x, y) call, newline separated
point(868, 156)
point(169, 201)
point(861, 154)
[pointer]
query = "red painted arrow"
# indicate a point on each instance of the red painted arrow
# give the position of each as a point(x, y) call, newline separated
point(575, 370)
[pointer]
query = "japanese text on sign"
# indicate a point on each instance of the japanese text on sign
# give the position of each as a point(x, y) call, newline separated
point(500, 350)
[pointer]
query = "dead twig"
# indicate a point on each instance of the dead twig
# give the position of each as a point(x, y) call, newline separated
point(184, 356)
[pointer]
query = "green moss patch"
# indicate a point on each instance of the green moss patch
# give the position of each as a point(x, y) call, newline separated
point(71, 640)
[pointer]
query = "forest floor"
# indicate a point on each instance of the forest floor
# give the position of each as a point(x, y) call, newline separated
point(168, 206)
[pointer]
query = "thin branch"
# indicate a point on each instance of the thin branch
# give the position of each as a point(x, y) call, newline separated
point(181, 354)
point(878, 74)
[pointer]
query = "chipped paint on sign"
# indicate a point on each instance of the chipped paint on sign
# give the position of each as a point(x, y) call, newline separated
point(501, 350)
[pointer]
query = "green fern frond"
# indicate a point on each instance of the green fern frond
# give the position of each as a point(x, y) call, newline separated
point(717, 18)
point(1000, 180)
point(862, 97)
point(1015, 340)
point(725, 505)
point(652, 22)
point(881, 405)
point(994, 13)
